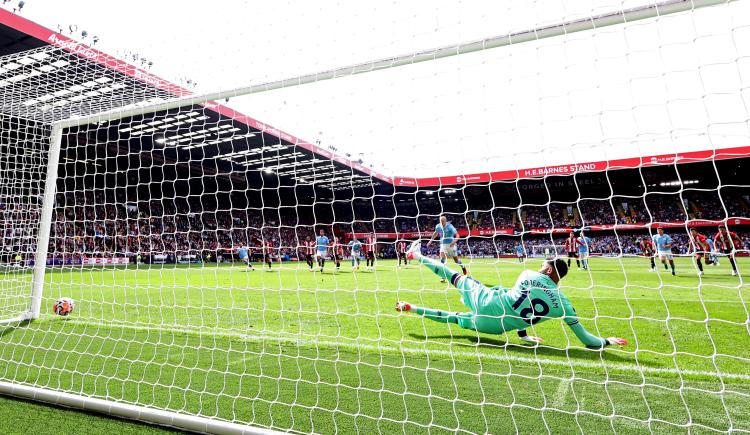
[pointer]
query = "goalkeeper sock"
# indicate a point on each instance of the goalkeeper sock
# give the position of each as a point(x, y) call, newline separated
point(440, 269)
point(436, 315)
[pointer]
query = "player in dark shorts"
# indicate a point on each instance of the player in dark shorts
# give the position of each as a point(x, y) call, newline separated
point(700, 248)
point(268, 253)
point(337, 252)
point(308, 252)
point(571, 247)
point(727, 241)
point(647, 248)
point(401, 253)
point(370, 252)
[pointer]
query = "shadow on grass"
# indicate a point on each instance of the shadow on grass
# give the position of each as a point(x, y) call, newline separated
point(496, 346)
point(7, 329)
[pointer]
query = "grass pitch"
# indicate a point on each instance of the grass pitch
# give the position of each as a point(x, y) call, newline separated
point(309, 352)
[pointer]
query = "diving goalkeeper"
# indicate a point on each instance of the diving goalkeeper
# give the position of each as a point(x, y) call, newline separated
point(533, 299)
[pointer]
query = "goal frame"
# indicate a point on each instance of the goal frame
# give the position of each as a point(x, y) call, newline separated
point(206, 424)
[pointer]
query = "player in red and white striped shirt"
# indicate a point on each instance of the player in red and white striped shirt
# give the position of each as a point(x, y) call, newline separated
point(647, 249)
point(308, 252)
point(337, 251)
point(401, 253)
point(726, 242)
point(268, 253)
point(700, 249)
point(370, 248)
point(571, 247)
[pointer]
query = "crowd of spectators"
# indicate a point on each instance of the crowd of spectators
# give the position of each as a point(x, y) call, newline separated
point(602, 243)
point(88, 224)
point(586, 212)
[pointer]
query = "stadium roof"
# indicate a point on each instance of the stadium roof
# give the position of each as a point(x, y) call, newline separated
point(489, 160)
point(47, 77)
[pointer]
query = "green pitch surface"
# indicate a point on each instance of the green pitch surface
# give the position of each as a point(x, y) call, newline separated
point(312, 352)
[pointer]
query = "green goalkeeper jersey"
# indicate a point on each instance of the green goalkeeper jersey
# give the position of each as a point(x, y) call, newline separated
point(534, 298)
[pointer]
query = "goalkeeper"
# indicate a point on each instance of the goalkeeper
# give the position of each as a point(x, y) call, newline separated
point(533, 299)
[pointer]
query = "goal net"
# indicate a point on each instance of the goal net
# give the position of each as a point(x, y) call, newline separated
point(235, 257)
point(22, 172)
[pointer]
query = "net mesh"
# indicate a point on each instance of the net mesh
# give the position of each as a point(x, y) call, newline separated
point(188, 238)
point(22, 172)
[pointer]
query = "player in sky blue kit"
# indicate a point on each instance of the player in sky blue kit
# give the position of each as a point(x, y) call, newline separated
point(356, 248)
point(321, 249)
point(519, 253)
point(584, 245)
point(534, 298)
point(244, 255)
point(663, 245)
point(712, 255)
point(448, 238)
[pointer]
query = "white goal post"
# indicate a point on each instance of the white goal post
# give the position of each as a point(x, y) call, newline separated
point(99, 124)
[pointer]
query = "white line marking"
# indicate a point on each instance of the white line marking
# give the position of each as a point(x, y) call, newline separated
point(562, 391)
point(666, 298)
point(298, 340)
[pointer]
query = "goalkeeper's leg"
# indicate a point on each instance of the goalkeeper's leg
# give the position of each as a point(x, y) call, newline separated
point(464, 320)
point(441, 269)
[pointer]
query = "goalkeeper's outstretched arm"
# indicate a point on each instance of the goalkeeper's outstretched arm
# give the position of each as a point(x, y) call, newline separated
point(590, 340)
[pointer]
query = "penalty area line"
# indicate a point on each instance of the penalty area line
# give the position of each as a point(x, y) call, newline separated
point(298, 340)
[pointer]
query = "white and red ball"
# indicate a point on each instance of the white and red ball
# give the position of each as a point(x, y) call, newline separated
point(63, 306)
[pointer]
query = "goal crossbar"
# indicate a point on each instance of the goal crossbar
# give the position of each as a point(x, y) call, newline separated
point(563, 28)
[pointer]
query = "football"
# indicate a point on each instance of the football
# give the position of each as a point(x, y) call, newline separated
point(63, 306)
